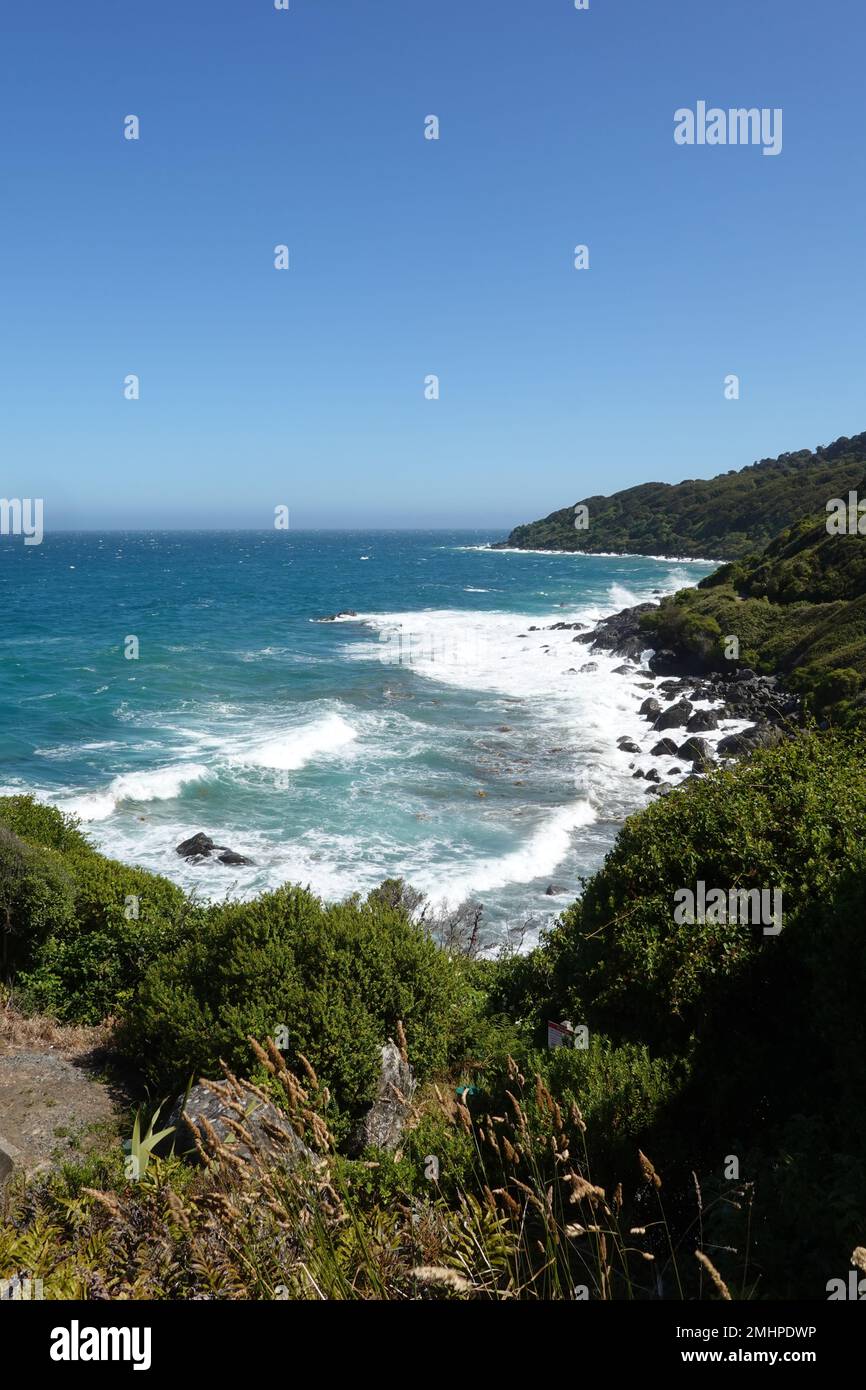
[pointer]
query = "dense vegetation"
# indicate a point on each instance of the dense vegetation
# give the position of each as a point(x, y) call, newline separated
point(724, 517)
point(734, 1057)
point(707, 1042)
point(798, 609)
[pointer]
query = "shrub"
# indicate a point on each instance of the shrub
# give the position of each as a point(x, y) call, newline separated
point(336, 979)
point(79, 929)
point(36, 898)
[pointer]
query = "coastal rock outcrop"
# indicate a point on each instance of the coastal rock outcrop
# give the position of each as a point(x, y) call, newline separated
point(200, 847)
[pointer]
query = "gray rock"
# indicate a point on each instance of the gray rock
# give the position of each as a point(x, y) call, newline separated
point(218, 1102)
point(383, 1125)
point(589, 666)
point(10, 1161)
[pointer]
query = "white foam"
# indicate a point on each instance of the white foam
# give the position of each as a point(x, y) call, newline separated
point(162, 784)
point(297, 747)
point(545, 849)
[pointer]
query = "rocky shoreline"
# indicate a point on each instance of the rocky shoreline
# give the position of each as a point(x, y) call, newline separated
point(690, 702)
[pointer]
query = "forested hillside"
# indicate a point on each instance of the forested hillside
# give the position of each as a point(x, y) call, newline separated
point(715, 518)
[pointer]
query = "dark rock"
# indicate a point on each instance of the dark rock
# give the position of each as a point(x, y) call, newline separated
point(622, 670)
point(758, 736)
point(553, 888)
point(639, 773)
point(627, 745)
point(230, 856)
point(198, 846)
point(383, 1125)
point(650, 708)
point(695, 750)
point(745, 675)
point(665, 662)
point(702, 720)
point(621, 632)
point(588, 666)
point(674, 717)
point(665, 748)
point(674, 687)
point(652, 775)
point(332, 617)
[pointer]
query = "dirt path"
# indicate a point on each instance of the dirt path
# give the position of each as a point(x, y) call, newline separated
point(52, 1106)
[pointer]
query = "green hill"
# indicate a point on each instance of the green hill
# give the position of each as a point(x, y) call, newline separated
point(798, 610)
point(723, 517)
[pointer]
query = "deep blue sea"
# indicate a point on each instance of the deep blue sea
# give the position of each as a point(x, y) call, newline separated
point(433, 736)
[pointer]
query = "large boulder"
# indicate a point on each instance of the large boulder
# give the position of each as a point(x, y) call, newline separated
point(701, 721)
point(665, 748)
point(675, 716)
point(213, 1107)
point(384, 1123)
point(758, 736)
point(695, 750)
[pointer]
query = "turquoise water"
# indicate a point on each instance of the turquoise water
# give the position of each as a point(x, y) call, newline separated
point(332, 753)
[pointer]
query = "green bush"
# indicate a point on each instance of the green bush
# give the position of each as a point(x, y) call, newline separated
point(78, 929)
point(337, 979)
point(790, 819)
point(36, 899)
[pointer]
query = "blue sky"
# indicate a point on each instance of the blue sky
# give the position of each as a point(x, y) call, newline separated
point(411, 257)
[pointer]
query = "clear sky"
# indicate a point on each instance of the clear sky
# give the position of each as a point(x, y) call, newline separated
point(410, 257)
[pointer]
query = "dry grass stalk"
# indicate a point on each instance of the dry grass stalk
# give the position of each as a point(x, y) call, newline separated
point(721, 1286)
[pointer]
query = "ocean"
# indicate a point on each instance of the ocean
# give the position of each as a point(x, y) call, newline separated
point(162, 683)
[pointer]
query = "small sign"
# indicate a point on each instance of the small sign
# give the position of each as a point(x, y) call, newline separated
point(560, 1035)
